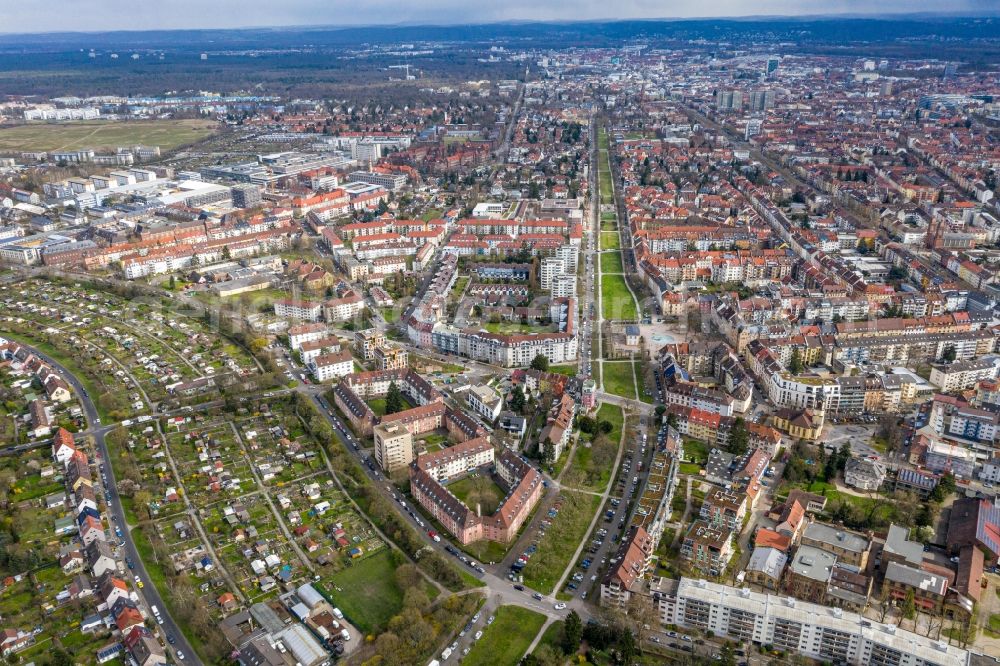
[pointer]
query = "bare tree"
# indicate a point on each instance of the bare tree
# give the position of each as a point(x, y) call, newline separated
point(643, 616)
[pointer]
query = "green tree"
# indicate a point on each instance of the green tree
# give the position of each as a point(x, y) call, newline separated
point(627, 647)
point(739, 437)
point(393, 399)
point(908, 608)
point(548, 451)
point(572, 633)
point(672, 420)
point(949, 354)
point(795, 366)
point(540, 362)
point(517, 400)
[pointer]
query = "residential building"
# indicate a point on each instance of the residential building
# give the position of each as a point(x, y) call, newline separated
point(393, 447)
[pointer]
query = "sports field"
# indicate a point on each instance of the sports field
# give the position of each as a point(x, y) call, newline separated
point(104, 134)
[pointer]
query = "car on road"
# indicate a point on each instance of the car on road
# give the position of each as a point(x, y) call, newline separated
point(180, 655)
point(171, 639)
point(560, 606)
point(479, 634)
point(536, 596)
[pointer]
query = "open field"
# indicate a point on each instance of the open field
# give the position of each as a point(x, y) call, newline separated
point(618, 378)
point(616, 299)
point(104, 134)
point(610, 240)
point(591, 466)
point(569, 369)
point(559, 544)
point(370, 595)
point(504, 642)
point(611, 262)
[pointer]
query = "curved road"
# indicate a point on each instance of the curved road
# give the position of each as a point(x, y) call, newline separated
point(148, 595)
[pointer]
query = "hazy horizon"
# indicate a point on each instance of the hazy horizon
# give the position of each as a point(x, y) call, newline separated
point(98, 16)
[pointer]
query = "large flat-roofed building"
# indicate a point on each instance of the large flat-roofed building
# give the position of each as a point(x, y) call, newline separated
point(390, 181)
point(815, 631)
point(393, 446)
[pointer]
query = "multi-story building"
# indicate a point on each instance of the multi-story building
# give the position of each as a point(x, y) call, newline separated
point(812, 630)
point(391, 357)
point(725, 507)
point(310, 350)
point(301, 310)
point(367, 341)
point(297, 335)
point(331, 366)
point(393, 446)
point(961, 375)
point(708, 547)
point(929, 589)
point(486, 402)
point(809, 573)
point(849, 547)
point(457, 460)
point(522, 482)
point(343, 308)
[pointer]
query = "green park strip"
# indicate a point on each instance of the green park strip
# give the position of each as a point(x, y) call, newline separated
point(616, 299)
point(504, 642)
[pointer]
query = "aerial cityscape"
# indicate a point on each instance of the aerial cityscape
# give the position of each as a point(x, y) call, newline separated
point(500, 336)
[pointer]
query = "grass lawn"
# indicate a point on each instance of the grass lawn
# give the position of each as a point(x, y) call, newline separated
point(104, 134)
point(695, 451)
point(590, 468)
point(569, 369)
point(553, 636)
point(611, 262)
point(378, 405)
point(391, 315)
point(460, 283)
point(482, 490)
point(693, 469)
point(614, 414)
point(618, 378)
point(504, 642)
point(610, 240)
point(370, 595)
point(485, 551)
point(994, 624)
point(616, 299)
point(559, 544)
point(504, 327)
point(432, 214)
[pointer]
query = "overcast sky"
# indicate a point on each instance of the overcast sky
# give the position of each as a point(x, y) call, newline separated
point(89, 15)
